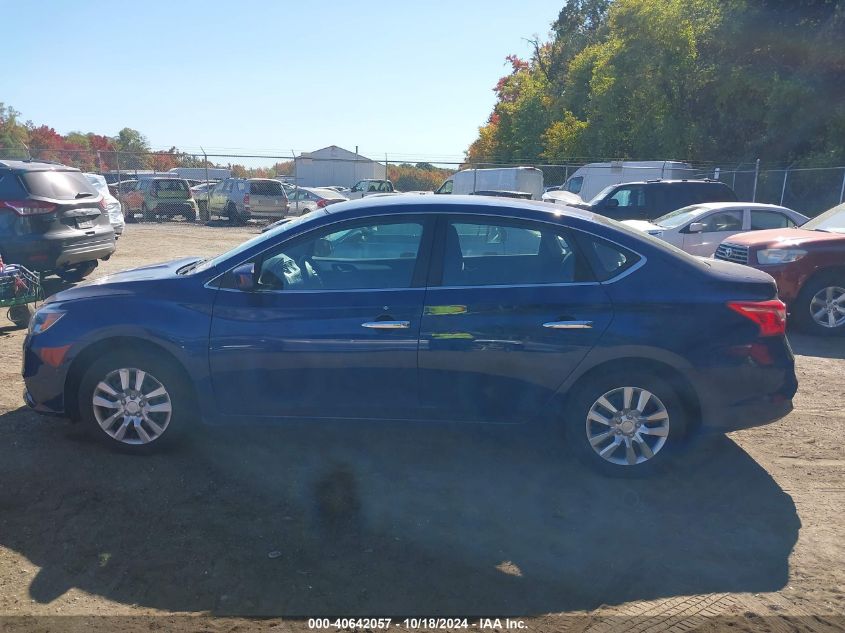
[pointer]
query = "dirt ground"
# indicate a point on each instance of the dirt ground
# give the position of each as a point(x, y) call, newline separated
point(375, 519)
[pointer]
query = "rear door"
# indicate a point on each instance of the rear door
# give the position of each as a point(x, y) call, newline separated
point(512, 308)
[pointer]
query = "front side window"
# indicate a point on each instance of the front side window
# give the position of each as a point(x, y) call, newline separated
point(497, 252)
point(629, 197)
point(573, 185)
point(723, 221)
point(373, 255)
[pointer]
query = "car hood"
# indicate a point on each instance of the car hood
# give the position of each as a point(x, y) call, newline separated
point(118, 283)
point(783, 237)
point(644, 225)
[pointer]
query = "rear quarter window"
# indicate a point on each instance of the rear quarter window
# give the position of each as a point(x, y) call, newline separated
point(10, 186)
point(59, 185)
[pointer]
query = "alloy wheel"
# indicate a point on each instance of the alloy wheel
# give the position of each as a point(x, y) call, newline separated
point(132, 406)
point(827, 307)
point(627, 426)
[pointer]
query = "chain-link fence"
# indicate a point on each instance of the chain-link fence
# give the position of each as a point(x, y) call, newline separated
point(809, 190)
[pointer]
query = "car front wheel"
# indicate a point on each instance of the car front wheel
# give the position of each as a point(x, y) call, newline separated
point(820, 307)
point(132, 401)
point(625, 424)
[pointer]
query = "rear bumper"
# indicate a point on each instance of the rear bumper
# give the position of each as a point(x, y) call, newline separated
point(187, 207)
point(52, 251)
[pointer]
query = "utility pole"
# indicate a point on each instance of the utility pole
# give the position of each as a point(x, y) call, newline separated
point(756, 176)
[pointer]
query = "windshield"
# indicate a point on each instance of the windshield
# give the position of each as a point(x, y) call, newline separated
point(602, 194)
point(832, 221)
point(245, 246)
point(678, 217)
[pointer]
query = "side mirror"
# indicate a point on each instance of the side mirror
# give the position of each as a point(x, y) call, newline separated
point(696, 227)
point(611, 204)
point(245, 277)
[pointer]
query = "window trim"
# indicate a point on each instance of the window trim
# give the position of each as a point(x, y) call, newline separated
point(432, 246)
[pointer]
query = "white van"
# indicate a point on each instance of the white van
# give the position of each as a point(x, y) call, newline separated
point(589, 180)
point(510, 179)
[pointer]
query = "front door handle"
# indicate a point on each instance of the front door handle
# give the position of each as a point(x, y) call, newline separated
point(569, 325)
point(387, 325)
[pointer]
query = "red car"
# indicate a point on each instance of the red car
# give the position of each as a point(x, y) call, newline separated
point(808, 264)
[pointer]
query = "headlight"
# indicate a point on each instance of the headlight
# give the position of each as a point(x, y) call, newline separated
point(779, 255)
point(44, 319)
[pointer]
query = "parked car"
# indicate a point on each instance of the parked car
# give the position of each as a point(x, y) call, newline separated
point(112, 204)
point(523, 180)
point(240, 199)
point(338, 188)
point(160, 197)
point(119, 189)
point(54, 220)
point(808, 263)
point(369, 187)
point(587, 181)
point(558, 196)
point(654, 198)
point(700, 228)
point(305, 199)
point(423, 307)
point(200, 194)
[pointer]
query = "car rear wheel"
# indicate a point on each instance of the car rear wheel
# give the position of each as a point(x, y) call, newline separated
point(820, 307)
point(625, 424)
point(133, 401)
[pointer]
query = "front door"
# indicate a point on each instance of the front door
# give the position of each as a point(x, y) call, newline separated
point(718, 226)
point(332, 327)
point(515, 310)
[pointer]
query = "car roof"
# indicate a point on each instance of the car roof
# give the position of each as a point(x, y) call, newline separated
point(32, 165)
point(739, 203)
point(455, 204)
point(660, 181)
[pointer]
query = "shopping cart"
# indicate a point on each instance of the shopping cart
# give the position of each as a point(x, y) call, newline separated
point(19, 287)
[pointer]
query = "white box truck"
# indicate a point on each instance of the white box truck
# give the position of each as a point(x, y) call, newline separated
point(511, 180)
point(589, 180)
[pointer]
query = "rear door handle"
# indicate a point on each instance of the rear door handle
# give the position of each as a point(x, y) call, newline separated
point(387, 325)
point(569, 325)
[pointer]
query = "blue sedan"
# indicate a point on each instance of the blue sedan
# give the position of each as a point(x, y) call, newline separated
point(420, 308)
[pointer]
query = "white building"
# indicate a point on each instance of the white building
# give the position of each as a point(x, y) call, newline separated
point(334, 165)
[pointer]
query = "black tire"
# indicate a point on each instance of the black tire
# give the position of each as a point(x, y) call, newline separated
point(78, 273)
point(802, 314)
point(235, 218)
point(146, 214)
point(157, 371)
point(21, 314)
point(587, 393)
point(190, 217)
point(130, 217)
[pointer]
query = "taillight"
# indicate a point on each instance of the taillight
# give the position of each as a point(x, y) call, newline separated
point(246, 199)
point(770, 315)
point(322, 202)
point(102, 204)
point(28, 207)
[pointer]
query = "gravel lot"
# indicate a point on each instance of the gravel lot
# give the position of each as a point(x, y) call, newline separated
point(387, 519)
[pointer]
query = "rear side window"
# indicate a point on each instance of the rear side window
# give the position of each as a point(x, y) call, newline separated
point(496, 252)
point(762, 220)
point(266, 188)
point(607, 259)
point(59, 185)
point(712, 192)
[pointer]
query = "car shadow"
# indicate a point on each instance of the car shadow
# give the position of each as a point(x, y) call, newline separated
point(821, 346)
point(365, 518)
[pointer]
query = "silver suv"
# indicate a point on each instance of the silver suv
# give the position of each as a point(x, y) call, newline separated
point(240, 199)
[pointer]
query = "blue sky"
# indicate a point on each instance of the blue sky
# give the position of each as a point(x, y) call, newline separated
point(412, 79)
